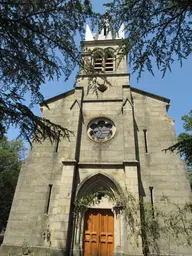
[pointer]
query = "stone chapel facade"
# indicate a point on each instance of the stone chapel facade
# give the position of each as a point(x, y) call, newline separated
point(119, 135)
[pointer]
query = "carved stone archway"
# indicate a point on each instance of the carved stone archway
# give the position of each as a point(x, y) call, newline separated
point(95, 184)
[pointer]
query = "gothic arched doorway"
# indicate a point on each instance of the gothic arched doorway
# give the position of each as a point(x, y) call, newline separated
point(98, 224)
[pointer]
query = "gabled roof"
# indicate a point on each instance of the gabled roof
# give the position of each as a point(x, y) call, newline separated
point(155, 96)
point(65, 94)
point(58, 97)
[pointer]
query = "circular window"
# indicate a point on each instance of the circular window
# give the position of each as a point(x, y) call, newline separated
point(101, 129)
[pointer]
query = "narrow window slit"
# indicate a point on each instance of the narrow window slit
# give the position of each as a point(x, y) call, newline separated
point(145, 140)
point(152, 205)
point(48, 198)
point(57, 142)
point(105, 30)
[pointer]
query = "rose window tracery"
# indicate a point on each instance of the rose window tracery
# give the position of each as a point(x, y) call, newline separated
point(101, 129)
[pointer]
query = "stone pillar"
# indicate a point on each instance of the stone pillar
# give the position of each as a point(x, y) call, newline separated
point(118, 249)
point(128, 125)
point(133, 244)
point(61, 208)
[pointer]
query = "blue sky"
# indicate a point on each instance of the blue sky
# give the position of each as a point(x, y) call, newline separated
point(176, 86)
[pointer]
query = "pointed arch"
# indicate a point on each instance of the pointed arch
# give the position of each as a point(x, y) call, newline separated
point(98, 49)
point(98, 56)
point(109, 49)
point(91, 185)
point(97, 183)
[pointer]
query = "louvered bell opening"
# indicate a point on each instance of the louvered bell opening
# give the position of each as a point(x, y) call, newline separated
point(98, 63)
point(109, 63)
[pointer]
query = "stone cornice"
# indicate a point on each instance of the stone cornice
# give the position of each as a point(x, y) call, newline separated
point(108, 164)
point(105, 75)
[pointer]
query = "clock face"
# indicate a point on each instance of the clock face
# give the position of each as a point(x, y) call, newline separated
point(101, 129)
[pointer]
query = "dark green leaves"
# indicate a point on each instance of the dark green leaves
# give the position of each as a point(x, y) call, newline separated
point(184, 144)
point(37, 43)
point(155, 30)
point(11, 154)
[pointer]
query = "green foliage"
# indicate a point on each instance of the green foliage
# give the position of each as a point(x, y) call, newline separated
point(166, 222)
point(25, 248)
point(185, 141)
point(11, 155)
point(184, 147)
point(170, 222)
point(92, 199)
point(37, 44)
point(159, 30)
point(184, 144)
point(187, 122)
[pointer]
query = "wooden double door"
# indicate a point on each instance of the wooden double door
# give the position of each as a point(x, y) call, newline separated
point(99, 232)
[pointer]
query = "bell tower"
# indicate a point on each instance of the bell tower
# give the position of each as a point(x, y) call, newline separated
point(104, 67)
